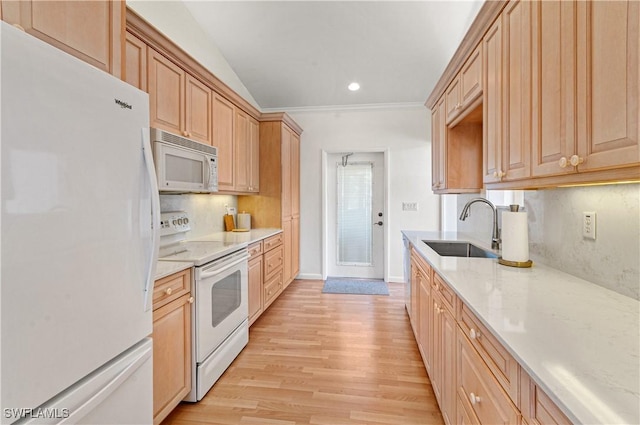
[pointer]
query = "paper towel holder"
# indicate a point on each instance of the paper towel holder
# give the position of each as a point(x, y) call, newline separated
point(520, 264)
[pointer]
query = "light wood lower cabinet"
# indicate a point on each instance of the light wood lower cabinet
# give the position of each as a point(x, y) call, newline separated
point(266, 259)
point(537, 408)
point(172, 302)
point(474, 378)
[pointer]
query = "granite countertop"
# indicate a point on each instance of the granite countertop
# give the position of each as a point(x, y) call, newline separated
point(579, 341)
point(166, 268)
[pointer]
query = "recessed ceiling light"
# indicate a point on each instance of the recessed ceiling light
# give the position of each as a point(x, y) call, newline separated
point(354, 86)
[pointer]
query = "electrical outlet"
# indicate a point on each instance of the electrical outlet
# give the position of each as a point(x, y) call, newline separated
point(409, 206)
point(589, 225)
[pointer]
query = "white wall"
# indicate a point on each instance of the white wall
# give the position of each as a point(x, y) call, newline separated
point(175, 21)
point(405, 135)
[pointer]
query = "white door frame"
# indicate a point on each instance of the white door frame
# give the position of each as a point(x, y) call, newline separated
point(326, 203)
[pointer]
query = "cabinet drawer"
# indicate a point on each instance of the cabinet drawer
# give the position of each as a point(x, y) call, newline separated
point(171, 287)
point(422, 264)
point(272, 242)
point(502, 364)
point(273, 261)
point(272, 288)
point(254, 249)
point(446, 293)
point(478, 390)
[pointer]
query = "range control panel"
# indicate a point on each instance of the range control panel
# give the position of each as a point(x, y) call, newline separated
point(174, 222)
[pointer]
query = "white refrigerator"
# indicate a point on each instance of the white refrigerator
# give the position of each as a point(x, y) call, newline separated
point(79, 240)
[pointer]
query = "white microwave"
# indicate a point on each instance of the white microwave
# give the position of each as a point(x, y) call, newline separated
point(183, 165)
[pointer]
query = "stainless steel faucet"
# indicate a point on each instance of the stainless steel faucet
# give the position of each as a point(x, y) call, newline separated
point(495, 238)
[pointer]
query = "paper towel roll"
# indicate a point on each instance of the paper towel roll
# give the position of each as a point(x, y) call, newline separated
point(515, 236)
point(244, 220)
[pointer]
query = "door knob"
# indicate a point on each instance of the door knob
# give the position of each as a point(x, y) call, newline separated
point(379, 223)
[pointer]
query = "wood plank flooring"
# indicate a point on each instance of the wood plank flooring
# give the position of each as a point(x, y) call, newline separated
point(316, 358)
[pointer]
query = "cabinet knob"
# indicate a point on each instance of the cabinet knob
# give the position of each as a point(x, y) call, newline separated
point(474, 399)
point(168, 291)
point(575, 160)
point(191, 300)
point(473, 334)
point(563, 162)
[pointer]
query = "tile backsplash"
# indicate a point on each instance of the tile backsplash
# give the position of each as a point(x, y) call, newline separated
point(205, 211)
point(555, 232)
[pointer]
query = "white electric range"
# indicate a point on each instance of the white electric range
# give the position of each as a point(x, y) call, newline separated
point(221, 314)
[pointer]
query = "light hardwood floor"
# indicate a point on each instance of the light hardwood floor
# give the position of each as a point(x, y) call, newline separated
point(316, 358)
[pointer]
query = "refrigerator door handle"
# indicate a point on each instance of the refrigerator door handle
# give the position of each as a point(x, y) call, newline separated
point(155, 217)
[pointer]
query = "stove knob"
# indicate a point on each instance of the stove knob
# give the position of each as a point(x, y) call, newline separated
point(175, 222)
point(179, 222)
point(185, 221)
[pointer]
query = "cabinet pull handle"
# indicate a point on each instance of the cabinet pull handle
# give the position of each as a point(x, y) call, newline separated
point(576, 160)
point(474, 398)
point(191, 300)
point(473, 334)
point(563, 162)
point(168, 291)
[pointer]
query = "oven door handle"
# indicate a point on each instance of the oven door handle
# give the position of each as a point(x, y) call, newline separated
point(217, 271)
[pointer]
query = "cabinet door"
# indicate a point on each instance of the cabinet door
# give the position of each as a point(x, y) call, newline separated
point(241, 152)
point(135, 69)
point(471, 78)
point(171, 356)
point(438, 146)
point(516, 157)
point(492, 106)
point(425, 327)
point(448, 365)
point(254, 155)
point(255, 288)
point(452, 100)
point(295, 175)
point(287, 236)
point(295, 247)
point(197, 111)
point(554, 86)
point(92, 31)
point(223, 116)
point(608, 88)
point(166, 93)
point(436, 348)
point(286, 173)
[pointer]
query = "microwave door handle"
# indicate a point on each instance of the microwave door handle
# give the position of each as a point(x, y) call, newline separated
point(208, 174)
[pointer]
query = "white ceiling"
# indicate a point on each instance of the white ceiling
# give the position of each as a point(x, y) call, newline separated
point(303, 54)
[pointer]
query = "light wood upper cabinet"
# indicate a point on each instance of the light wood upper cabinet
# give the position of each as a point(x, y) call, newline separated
point(554, 84)
point(438, 146)
point(135, 69)
point(198, 114)
point(166, 83)
point(507, 100)
point(179, 103)
point(89, 30)
point(516, 86)
point(246, 153)
point(466, 88)
point(295, 175)
point(608, 84)
point(223, 122)
point(492, 112)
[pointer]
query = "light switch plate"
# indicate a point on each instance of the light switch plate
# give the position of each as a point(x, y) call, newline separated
point(409, 206)
point(589, 225)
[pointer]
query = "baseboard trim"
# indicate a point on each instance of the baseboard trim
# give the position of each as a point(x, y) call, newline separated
point(309, 276)
point(396, 279)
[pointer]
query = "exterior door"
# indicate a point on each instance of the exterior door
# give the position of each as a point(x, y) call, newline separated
point(356, 217)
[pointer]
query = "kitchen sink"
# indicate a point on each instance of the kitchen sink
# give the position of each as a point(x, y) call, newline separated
point(459, 249)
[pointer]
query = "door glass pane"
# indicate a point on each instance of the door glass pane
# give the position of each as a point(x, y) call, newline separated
point(355, 197)
point(225, 297)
